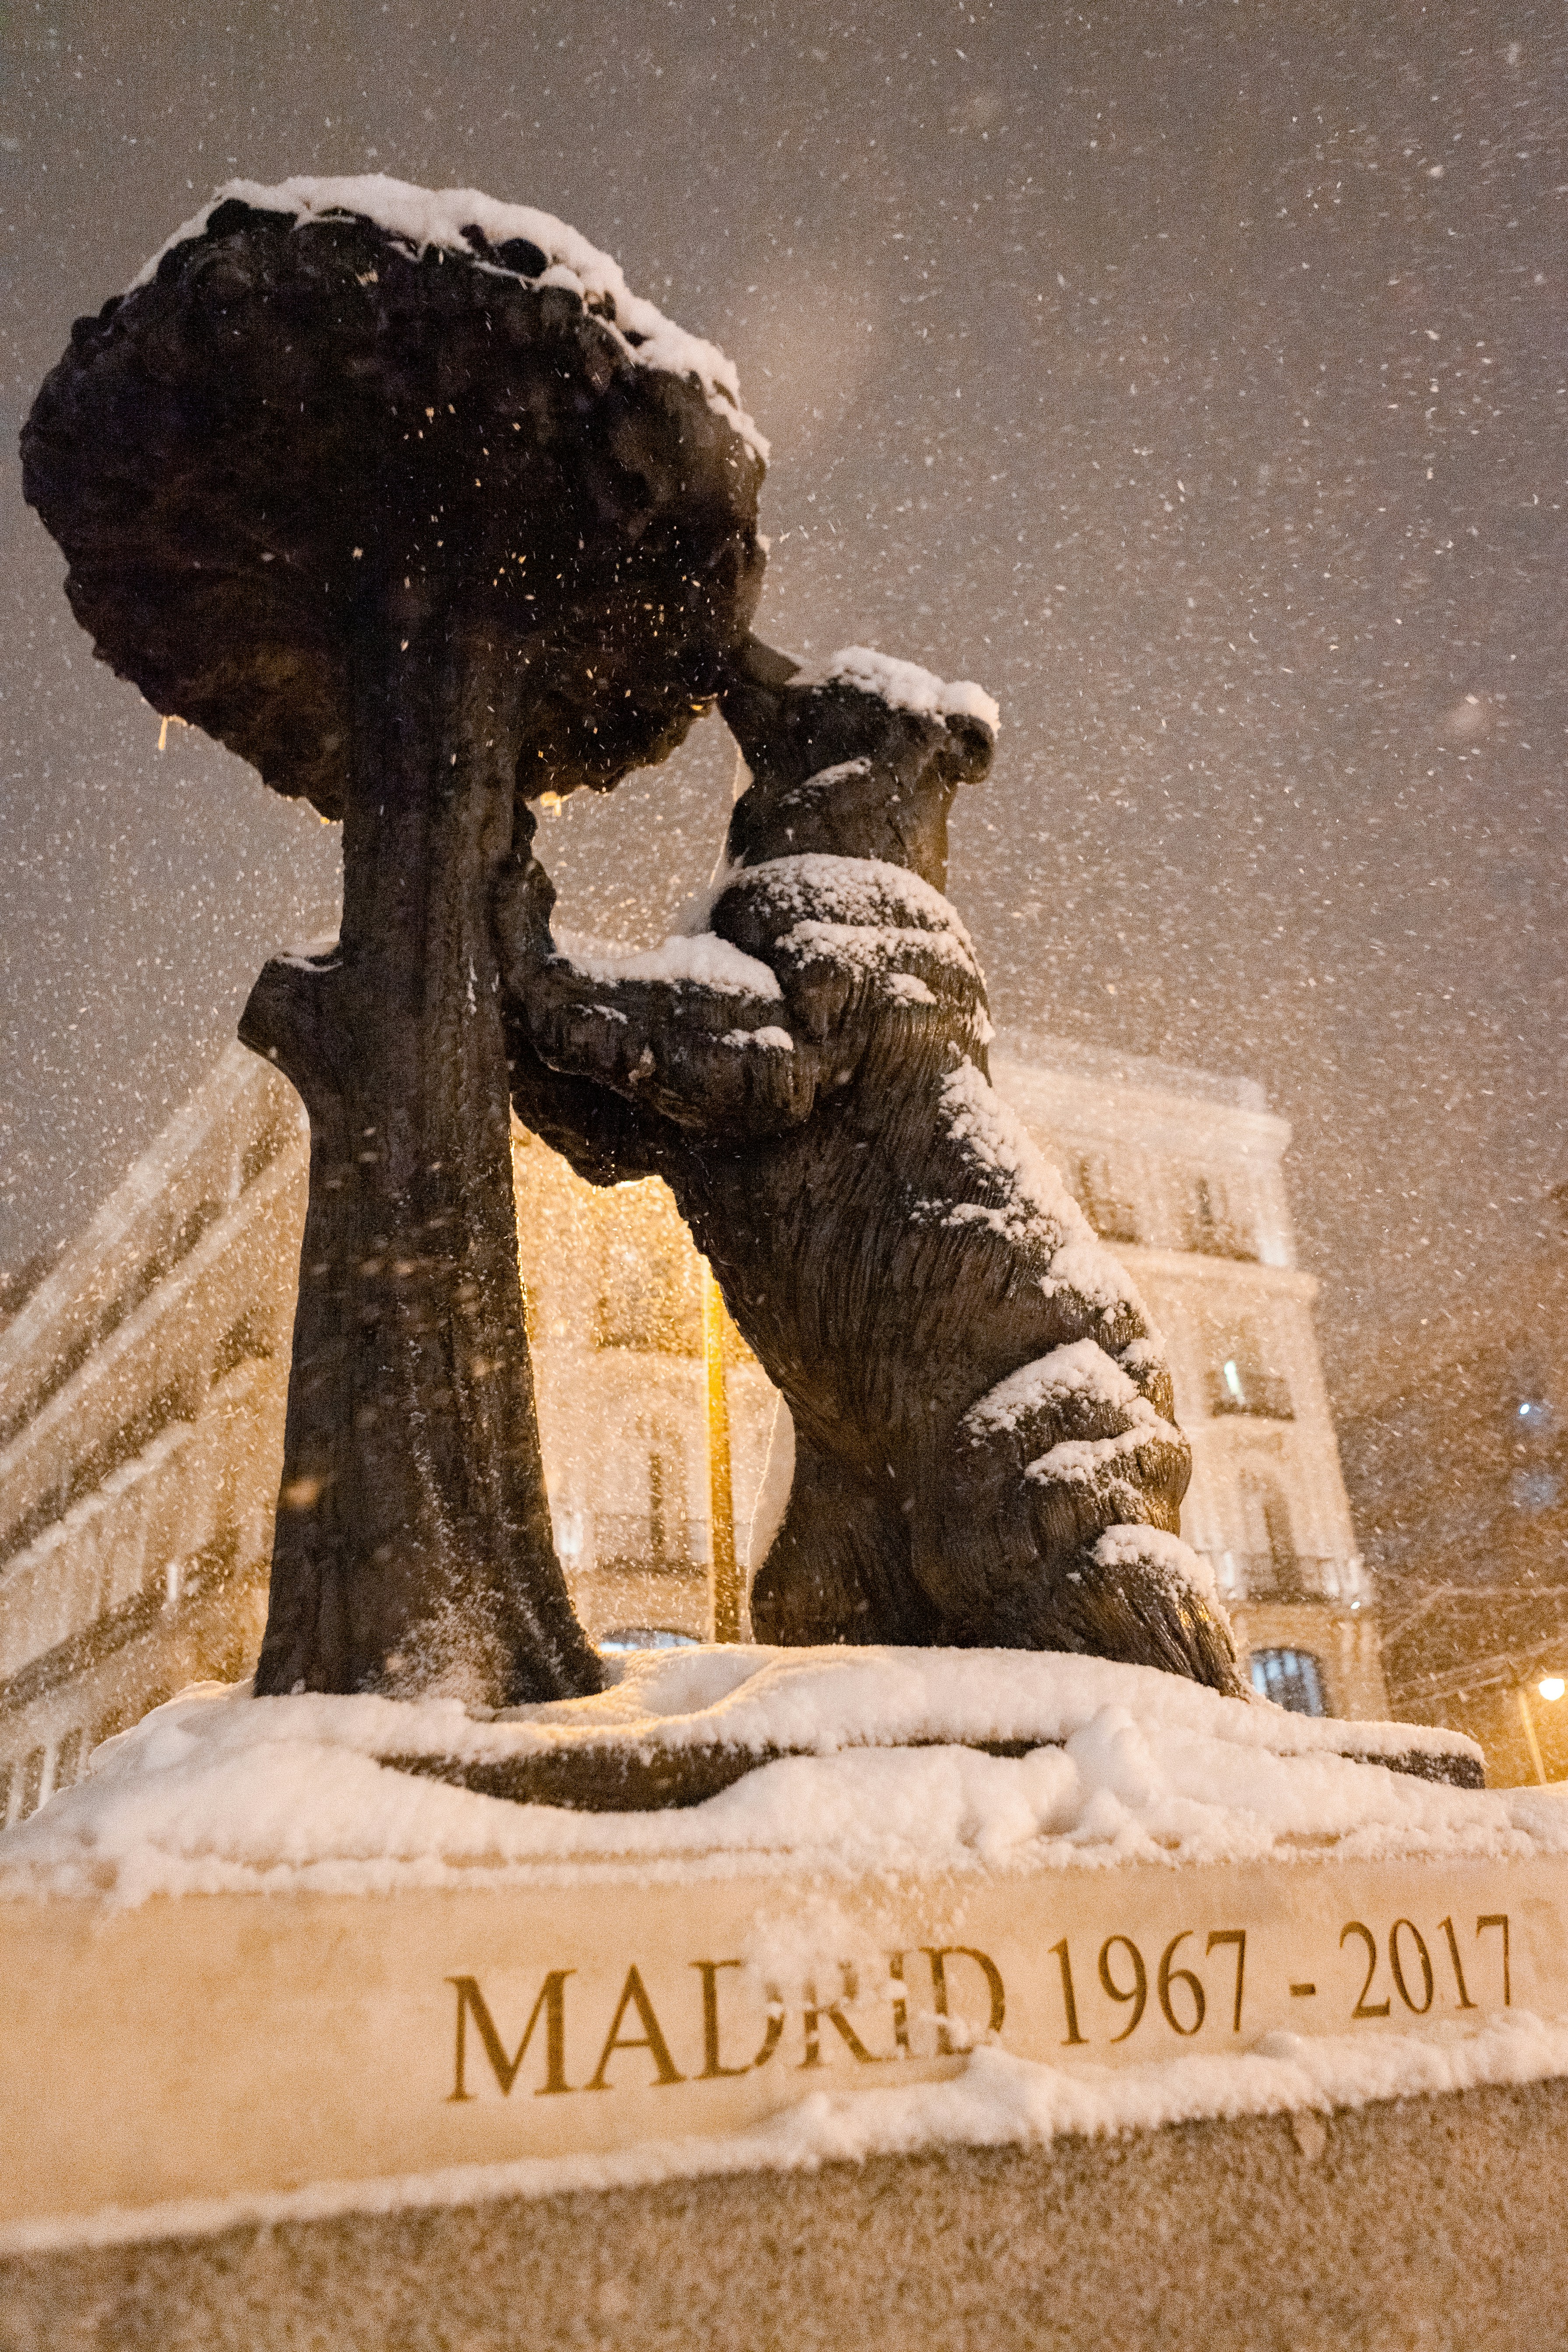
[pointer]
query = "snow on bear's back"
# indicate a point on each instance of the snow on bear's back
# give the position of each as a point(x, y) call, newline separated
point(1012, 1188)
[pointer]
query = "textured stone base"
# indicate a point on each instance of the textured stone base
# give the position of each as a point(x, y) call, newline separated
point(219, 2046)
point(1413, 2226)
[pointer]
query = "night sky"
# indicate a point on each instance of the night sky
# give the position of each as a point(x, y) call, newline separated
point(1193, 376)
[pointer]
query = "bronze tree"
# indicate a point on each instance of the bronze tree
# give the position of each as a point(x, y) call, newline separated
point(419, 530)
point(984, 1447)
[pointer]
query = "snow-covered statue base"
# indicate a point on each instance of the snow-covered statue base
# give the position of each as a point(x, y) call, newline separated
point(253, 1968)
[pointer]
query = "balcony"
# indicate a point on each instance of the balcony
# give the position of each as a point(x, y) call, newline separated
point(1215, 1231)
point(632, 1543)
point(1222, 1241)
point(1272, 1576)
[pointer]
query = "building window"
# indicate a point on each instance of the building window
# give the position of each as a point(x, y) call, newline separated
point(667, 1544)
point(5, 1775)
point(1267, 1560)
point(262, 1148)
point(108, 1727)
point(247, 1341)
point(193, 1225)
point(646, 1637)
point(1291, 1678)
point(1240, 1385)
point(68, 1760)
point(1109, 1210)
point(648, 1299)
point(654, 1532)
point(1212, 1229)
point(32, 1788)
point(1534, 1490)
point(1537, 1484)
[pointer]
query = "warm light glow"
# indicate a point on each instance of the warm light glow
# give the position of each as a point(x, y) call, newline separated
point(1551, 1687)
point(727, 1585)
point(550, 801)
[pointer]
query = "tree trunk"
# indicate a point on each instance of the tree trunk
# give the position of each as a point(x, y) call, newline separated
point(413, 1550)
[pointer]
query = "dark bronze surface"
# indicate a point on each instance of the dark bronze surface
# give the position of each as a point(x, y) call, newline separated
point(416, 538)
point(885, 1269)
point(643, 1776)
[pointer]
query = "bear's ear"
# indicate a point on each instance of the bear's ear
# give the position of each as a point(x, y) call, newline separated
point(965, 757)
point(752, 698)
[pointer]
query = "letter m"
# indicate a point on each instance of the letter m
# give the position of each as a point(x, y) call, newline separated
point(552, 2000)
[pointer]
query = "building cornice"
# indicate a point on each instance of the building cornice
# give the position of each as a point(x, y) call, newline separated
point(1188, 1124)
point(1195, 1266)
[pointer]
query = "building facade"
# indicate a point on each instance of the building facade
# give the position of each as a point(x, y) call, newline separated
point(143, 1387)
point(1456, 1447)
point(1182, 1173)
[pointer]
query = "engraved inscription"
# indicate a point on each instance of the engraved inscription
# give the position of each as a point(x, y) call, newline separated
point(989, 1970)
point(651, 2039)
point(1499, 1919)
point(1218, 1937)
point(1180, 1991)
point(1363, 2008)
point(552, 2000)
point(1168, 1978)
point(956, 1973)
point(716, 2023)
point(1406, 1996)
point(1410, 1967)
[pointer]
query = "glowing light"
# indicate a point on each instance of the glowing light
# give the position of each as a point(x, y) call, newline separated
point(1551, 1687)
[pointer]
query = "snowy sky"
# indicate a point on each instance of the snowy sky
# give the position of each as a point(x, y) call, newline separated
point(1190, 374)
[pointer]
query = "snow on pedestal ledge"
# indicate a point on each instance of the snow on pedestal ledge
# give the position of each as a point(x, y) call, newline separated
point(884, 1771)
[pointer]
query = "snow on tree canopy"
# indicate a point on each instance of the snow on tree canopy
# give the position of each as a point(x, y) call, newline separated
point(510, 238)
point(335, 410)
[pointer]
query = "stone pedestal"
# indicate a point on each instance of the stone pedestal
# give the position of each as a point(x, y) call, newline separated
point(244, 2046)
point(1102, 2031)
point(1435, 2223)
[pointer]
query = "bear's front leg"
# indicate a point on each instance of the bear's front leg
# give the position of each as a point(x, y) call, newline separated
point(692, 1031)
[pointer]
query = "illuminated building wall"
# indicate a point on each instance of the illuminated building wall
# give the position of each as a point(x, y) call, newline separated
point(143, 1386)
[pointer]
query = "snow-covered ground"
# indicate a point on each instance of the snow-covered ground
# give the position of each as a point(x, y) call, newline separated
point(220, 1791)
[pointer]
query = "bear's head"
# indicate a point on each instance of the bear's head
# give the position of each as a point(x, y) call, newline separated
point(861, 764)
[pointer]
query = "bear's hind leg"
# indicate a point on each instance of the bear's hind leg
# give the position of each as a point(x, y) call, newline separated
point(1130, 1595)
point(838, 1569)
point(1051, 1524)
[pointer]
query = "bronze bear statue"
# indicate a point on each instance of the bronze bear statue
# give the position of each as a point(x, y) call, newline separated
point(985, 1449)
